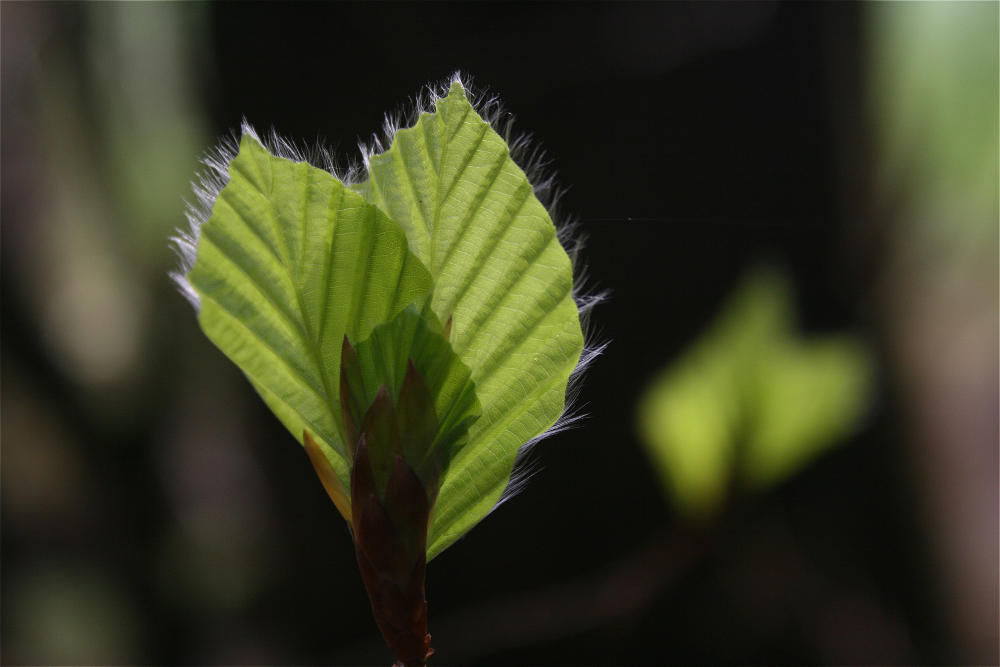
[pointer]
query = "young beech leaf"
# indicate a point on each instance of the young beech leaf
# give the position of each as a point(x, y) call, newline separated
point(289, 262)
point(501, 275)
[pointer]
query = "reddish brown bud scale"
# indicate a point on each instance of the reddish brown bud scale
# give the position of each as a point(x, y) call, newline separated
point(418, 428)
point(408, 510)
point(380, 431)
point(390, 538)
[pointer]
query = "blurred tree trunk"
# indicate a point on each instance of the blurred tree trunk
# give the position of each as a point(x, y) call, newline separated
point(920, 188)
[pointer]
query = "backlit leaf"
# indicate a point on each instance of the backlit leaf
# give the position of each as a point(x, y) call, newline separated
point(471, 216)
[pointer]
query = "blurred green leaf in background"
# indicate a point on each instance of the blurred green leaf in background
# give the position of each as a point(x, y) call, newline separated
point(751, 402)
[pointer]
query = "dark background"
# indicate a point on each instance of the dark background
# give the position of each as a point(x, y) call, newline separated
point(156, 513)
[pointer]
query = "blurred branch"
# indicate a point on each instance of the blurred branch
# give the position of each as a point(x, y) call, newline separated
point(625, 588)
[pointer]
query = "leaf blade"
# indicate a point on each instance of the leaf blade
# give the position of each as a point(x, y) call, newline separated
point(500, 274)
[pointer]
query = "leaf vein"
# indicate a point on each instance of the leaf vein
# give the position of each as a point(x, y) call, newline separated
point(333, 220)
point(466, 161)
point(294, 372)
point(297, 327)
point(509, 214)
point(470, 214)
point(492, 363)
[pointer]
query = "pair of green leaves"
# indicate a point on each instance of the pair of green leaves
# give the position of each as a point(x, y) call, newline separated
point(751, 400)
point(446, 229)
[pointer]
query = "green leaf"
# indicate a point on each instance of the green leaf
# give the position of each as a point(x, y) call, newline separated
point(289, 262)
point(750, 402)
point(500, 273)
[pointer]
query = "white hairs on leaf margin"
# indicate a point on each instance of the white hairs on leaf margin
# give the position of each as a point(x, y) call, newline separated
point(526, 154)
point(213, 177)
